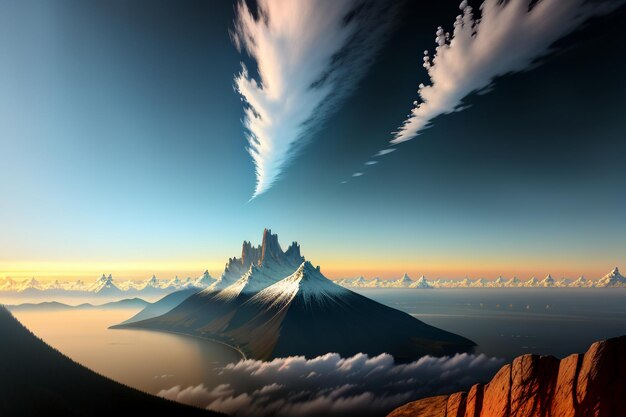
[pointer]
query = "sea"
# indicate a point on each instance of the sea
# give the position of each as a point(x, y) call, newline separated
point(504, 323)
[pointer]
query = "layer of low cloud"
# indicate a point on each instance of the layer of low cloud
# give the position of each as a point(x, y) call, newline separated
point(309, 54)
point(333, 386)
point(509, 36)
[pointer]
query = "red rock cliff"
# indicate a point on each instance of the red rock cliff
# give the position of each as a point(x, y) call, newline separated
point(582, 385)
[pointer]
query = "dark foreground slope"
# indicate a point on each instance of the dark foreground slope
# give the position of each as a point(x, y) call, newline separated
point(36, 380)
point(582, 385)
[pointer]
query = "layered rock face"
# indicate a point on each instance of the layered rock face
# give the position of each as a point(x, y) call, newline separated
point(582, 385)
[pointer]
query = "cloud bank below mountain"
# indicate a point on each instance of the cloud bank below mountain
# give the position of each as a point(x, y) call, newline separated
point(333, 386)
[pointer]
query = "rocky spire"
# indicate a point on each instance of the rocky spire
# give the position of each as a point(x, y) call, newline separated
point(270, 248)
point(250, 255)
point(293, 253)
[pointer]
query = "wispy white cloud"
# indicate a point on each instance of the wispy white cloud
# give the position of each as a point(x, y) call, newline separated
point(384, 152)
point(357, 174)
point(333, 386)
point(309, 54)
point(509, 36)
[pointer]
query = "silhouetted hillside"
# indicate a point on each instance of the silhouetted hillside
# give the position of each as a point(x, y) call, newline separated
point(36, 380)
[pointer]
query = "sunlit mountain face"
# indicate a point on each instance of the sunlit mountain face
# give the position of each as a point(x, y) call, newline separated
point(447, 179)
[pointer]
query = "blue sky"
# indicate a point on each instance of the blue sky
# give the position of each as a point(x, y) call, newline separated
point(122, 147)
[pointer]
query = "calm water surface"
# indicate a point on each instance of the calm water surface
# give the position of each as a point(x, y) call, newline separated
point(505, 323)
point(509, 322)
point(147, 360)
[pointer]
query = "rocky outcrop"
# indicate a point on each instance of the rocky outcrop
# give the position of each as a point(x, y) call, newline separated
point(582, 385)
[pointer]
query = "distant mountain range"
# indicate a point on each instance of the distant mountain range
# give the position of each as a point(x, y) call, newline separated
point(272, 303)
point(105, 286)
point(37, 380)
point(612, 279)
point(56, 306)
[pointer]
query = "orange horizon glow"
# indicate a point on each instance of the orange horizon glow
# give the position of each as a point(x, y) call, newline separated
point(384, 269)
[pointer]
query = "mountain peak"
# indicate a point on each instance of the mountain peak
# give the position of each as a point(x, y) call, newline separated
point(612, 279)
point(307, 282)
point(270, 248)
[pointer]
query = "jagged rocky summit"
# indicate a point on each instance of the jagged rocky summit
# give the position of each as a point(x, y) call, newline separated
point(592, 384)
point(272, 303)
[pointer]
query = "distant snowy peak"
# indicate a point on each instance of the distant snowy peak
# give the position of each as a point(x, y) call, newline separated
point(422, 282)
point(31, 284)
point(548, 281)
point(151, 283)
point(105, 285)
point(306, 283)
point(612, 279)
point(403, 282)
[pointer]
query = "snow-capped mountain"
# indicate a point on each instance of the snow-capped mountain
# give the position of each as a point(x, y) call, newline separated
point(612, 279)
point(105, 286)
point(563, 283)
point(403, 282)
point(269, 257)
point(280, 308)
point(581, 282)
point(422, 282)
point(202, 281)
point(480, 283)
point(513, 283)
point(497, 283)
point(547, 282)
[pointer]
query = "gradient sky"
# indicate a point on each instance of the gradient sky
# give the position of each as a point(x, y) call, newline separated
point(123, 151)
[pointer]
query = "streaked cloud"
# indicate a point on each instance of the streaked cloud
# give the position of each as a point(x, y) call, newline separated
point(308, 55)
point(333, 386)
point(507, 37)
point(357, 174)
point(384, 152)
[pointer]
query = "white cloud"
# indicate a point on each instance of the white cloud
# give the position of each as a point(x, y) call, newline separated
point(309, 55)
point(357, 174)
point(384, 152)
point(507, 38)
point(333, 386)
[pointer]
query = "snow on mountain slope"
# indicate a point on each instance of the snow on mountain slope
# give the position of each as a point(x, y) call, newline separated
point(307, 282)
point(258, 267)
point(421, 283)
point(612, 279)
point(105, 286)
point(548, 281)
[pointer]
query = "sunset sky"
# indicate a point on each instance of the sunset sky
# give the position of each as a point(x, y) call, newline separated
point(123, 149)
